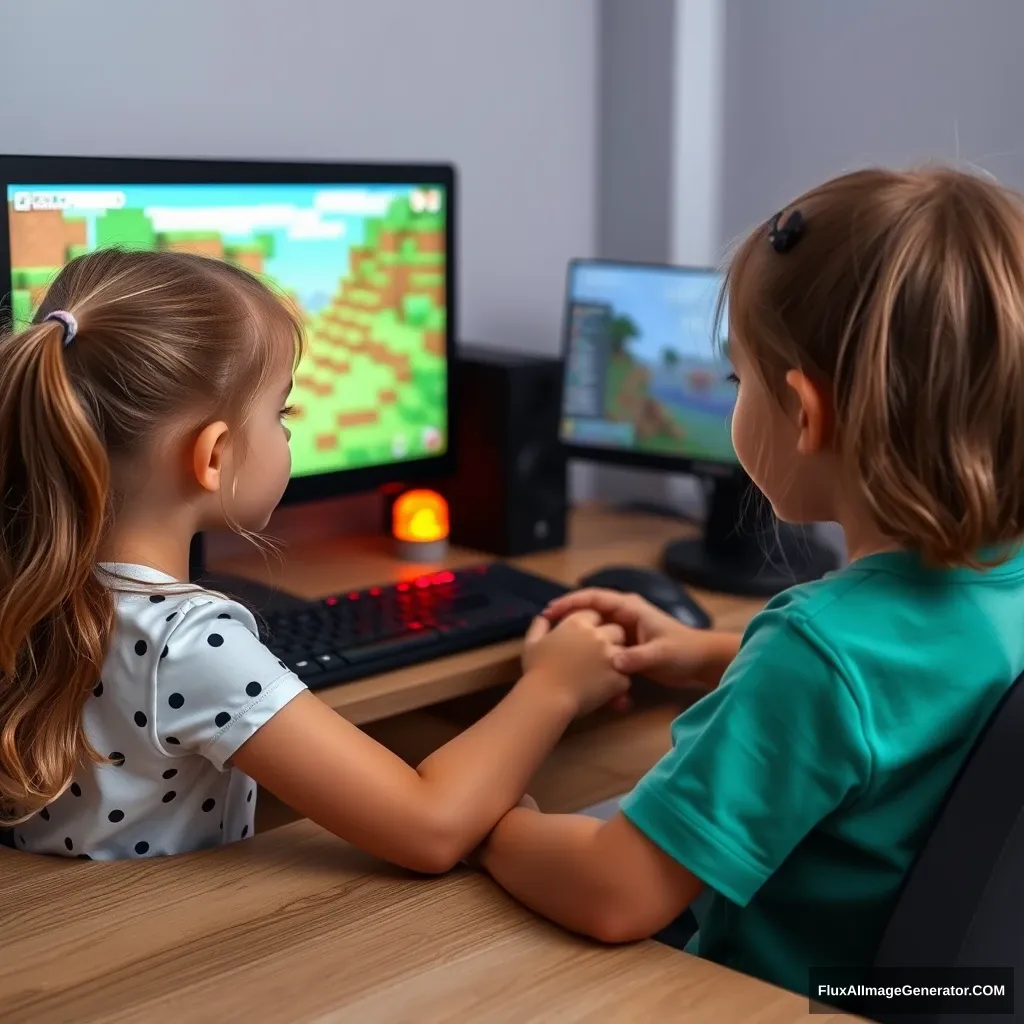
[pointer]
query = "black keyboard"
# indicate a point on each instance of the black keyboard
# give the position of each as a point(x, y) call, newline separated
point(350, 636)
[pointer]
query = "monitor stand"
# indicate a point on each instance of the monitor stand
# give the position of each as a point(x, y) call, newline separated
point(257, 597)
point(744, 549)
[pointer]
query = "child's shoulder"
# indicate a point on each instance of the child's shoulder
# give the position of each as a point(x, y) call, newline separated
point(827, 621)
point(888, 623)
point(188, 667)
point(156, 603)
point(826, 598)
point(158, 623)
point(877, 591)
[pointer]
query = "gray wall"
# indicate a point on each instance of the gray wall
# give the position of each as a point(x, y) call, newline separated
point(815, 87)
point(635, 98)
point(635, 70)
point(506, 90)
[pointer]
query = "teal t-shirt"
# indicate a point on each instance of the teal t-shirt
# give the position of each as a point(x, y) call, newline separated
point(801, 789)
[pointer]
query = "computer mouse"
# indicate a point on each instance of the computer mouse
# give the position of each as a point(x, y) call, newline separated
point(653, 586)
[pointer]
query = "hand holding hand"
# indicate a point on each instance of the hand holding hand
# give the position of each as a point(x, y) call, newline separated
point(658, 646)
point(578, 655)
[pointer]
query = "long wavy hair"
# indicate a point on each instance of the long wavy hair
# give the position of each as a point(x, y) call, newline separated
point(905, 294)
point(162, 336)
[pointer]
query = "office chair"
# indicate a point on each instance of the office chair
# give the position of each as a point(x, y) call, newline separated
point(963, 902)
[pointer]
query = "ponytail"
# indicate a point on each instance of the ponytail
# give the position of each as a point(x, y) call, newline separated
point(126, 341)
point(55, 615)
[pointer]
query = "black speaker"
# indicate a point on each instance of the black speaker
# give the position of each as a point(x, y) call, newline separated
point(509, 493)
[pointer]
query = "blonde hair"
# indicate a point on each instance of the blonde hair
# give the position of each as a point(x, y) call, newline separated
point(161, 336)
point(904, 295)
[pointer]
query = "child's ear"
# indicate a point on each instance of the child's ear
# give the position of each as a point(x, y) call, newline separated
point(814, 412)
point(208, 453)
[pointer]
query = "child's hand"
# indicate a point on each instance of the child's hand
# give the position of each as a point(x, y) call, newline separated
point(577, 655)
point(660, 647)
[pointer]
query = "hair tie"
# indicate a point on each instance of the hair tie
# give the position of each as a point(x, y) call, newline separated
point(69, 322)
point(784, 236)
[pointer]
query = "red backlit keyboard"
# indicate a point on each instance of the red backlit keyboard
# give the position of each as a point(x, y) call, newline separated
point(350, 636)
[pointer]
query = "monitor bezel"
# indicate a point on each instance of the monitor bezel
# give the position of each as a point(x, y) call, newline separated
point(619, 456)
point(89, 170)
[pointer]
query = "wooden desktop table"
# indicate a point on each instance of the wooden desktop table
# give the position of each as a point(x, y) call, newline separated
point(296, 926)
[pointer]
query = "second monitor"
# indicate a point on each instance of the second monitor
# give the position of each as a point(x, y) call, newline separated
point(647, 384)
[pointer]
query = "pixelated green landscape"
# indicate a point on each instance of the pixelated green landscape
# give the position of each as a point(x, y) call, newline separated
point(371, 387)
point(632, 395)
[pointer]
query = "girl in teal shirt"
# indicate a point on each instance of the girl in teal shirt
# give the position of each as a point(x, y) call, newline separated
point(876, 328)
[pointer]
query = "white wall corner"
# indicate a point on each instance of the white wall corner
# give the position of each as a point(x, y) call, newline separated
point(697, 132)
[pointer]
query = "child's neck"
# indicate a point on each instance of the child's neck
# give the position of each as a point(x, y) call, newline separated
point(864, 538)
point(158, 542)
point(851, 511)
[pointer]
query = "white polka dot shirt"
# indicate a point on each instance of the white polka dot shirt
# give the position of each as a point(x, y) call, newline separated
point(185, 683)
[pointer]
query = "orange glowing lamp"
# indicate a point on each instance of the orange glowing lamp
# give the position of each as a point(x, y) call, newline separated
point(419, 523)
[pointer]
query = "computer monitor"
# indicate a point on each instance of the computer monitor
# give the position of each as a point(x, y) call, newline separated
point(647, 384)
point(366, 251)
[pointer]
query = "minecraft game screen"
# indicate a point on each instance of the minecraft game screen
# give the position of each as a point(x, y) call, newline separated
point(364, 264)
point(644, 372)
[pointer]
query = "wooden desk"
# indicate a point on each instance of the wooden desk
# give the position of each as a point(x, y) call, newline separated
point(295, 926)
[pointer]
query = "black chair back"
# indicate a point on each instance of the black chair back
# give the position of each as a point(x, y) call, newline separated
point(963, 902)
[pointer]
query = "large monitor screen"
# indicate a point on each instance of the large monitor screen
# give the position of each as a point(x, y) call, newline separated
point(364, 263)
point(645, 377)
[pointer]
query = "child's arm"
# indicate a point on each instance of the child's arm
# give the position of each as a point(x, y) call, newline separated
point(603, 879)
point(660, 647)
point(428, 818)
point(754, 767)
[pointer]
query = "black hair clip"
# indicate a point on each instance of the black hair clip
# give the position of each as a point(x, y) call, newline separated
point(784, 236)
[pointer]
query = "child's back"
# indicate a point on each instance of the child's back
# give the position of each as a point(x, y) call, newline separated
point(810, 777)
point(185, 683)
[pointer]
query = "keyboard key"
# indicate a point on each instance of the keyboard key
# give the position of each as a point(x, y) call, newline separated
point(452, 624)
point(306, 669)
point(328, 660)
point(470, 602)
point(422, 638)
